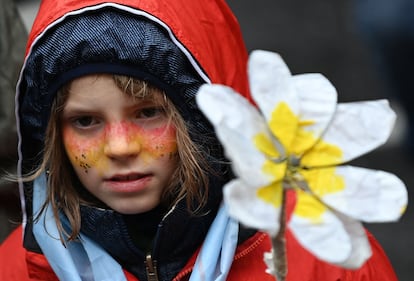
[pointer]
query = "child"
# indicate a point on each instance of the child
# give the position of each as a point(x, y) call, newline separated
point(122, 174)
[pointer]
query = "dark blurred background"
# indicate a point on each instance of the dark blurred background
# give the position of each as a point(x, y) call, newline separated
point(339, 40)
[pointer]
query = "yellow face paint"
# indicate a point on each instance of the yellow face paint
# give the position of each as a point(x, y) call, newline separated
point(89, 151)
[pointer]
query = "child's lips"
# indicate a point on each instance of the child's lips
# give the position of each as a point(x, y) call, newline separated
point(133, 182)
point(128, 177)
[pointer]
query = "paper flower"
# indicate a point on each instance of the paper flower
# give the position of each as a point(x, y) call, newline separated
point(298, 138)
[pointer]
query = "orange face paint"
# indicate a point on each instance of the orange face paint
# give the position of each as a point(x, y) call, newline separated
point(120, 138)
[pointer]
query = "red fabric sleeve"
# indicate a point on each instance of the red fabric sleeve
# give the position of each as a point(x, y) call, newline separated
point(16, 263)
point(303, 266)
point(378, 267)
point(13, 258)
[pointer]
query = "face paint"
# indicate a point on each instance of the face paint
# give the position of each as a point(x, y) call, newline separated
point(151, 144)
point(122, 150)
point(81, 162)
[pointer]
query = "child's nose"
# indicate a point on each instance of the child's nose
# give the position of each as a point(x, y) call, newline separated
point(120, 144)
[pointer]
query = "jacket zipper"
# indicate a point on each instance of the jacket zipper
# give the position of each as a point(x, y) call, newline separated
point(150, 264)
point(151, 268)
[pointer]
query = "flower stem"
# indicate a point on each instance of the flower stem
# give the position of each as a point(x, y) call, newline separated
point(279, 244)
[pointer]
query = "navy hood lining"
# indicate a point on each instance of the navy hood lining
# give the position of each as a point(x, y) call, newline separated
point(109, 68)
point(144, 51)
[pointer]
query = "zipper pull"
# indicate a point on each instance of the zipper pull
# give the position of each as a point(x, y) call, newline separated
point(151, 268)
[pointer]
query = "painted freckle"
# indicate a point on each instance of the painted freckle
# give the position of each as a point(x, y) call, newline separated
point(82, 163)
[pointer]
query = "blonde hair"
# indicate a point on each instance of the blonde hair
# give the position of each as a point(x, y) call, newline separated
point(65, 194)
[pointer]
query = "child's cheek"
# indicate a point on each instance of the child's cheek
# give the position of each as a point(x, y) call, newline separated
point(161, 142)
point(88, 152)
point(84, 152)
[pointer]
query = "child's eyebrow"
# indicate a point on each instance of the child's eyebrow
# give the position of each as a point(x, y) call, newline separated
point(72, 112)
point(148, 100)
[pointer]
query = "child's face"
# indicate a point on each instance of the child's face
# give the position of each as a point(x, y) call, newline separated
point(124, 151)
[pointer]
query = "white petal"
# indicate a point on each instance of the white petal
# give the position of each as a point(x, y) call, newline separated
point(368, 195)
point(361, 248)
point(330, 236)
point(318, 100)
point(327, 239)
point(271, 82)
point(356, 128)
point(246, 207)
point(236, 123)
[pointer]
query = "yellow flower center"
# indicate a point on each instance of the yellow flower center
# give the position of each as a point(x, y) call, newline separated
point(285, 169)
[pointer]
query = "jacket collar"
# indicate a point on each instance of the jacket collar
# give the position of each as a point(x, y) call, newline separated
point(178, 236)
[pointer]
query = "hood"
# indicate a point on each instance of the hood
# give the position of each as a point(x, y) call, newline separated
point(206, 31)
point(205, 34)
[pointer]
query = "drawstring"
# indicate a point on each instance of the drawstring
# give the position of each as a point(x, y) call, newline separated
point(81, 260)
point(217, 253)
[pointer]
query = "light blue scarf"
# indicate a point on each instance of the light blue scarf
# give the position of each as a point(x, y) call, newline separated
point(87, 261)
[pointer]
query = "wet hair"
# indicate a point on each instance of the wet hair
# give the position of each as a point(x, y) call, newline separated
point(65, 192)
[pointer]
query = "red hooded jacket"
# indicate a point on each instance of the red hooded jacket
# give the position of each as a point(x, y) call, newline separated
point(211, 35)
point(19, 264)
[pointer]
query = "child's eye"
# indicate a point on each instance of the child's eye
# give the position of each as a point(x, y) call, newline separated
point(85, 121)
point(150, 112)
